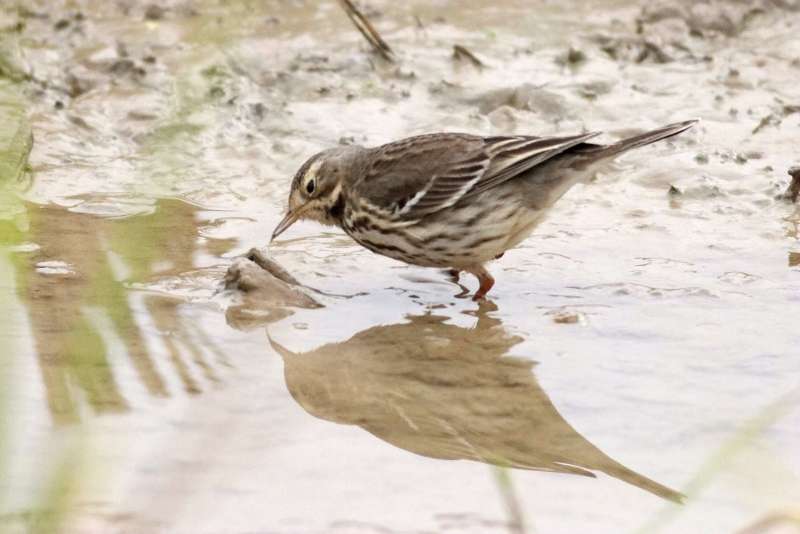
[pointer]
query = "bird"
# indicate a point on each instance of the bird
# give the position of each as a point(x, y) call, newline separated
point(453, 201)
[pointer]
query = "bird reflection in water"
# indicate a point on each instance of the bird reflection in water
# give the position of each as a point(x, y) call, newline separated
point(448, 392)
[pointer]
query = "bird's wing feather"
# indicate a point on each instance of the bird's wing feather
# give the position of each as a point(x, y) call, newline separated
point(511, 157)
point(417, 176)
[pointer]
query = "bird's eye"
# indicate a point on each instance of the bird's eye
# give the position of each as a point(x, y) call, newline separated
point(310, 186)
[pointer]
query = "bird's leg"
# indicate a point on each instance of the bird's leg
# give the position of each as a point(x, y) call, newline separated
point(455, 275)
point(485, 280)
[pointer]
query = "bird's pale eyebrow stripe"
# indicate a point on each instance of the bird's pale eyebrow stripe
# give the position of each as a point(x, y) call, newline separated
point(313, 169)
point(305, 168)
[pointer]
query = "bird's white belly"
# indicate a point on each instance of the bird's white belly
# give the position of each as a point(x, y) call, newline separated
point(464, 235)
point(459, 237)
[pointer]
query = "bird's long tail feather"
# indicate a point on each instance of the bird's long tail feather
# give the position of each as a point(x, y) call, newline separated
point(598, 152)
point(623, 473)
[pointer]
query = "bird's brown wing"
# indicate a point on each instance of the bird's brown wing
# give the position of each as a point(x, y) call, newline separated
point(417, 176)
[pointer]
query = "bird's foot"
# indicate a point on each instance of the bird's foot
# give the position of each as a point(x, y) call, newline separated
point(485, 282)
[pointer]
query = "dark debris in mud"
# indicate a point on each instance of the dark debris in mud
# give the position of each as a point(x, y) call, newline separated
point(794, 187)
point(462, 53)
point(634, 49)
point(154, 12)
point(670, 30)
point(776, 117)
point(573, 57)
point(708, 18)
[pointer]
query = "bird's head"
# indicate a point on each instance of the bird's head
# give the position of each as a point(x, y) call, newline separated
point(316, 191)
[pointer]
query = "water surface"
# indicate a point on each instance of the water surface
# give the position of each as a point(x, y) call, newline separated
point(640, 345)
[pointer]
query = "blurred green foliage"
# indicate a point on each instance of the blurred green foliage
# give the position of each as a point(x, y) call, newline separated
point(57, 482)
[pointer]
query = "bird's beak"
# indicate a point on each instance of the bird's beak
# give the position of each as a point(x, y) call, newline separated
point(287, 221)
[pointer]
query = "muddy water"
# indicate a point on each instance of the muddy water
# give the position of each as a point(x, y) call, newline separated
point(645, 337)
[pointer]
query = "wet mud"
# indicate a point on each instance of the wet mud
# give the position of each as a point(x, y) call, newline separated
point(641, 348)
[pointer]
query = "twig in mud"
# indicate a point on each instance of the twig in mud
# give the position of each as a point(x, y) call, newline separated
point(773, 120)
point(461, 52)
point(769, 119)
point(366, 29)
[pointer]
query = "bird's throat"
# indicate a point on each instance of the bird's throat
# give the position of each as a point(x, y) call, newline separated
point(336, 210)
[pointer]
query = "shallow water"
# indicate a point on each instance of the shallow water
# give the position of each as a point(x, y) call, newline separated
point(647, 337)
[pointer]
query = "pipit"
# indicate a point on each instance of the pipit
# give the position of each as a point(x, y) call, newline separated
point(448, 200)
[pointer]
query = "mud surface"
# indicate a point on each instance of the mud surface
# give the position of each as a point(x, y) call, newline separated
point(646, 335)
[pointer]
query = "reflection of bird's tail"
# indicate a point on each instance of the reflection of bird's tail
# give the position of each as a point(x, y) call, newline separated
point(621, 472)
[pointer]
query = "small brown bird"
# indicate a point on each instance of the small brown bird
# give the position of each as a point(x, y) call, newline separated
point(448, 200)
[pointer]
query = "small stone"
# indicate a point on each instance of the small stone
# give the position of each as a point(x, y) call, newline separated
point(77, 86)
point(122, 66)
point(567, 317)
point(674, 191)
point(575, 56)
point(258, 109)
point(154, 12)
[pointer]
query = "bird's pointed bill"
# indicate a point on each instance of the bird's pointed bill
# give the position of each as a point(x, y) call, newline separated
point(285, 223)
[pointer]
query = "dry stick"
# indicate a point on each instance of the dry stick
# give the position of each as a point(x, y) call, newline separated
point(366, 29)
point(460, 52)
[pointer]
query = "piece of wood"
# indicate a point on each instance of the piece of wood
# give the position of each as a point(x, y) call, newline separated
point(367, 30)
point(461, 52)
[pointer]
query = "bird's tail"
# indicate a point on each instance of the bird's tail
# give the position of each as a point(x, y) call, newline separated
point(598, 152)
point(621, 472)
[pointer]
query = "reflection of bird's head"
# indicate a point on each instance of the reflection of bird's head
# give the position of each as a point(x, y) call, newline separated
point(445, 391)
